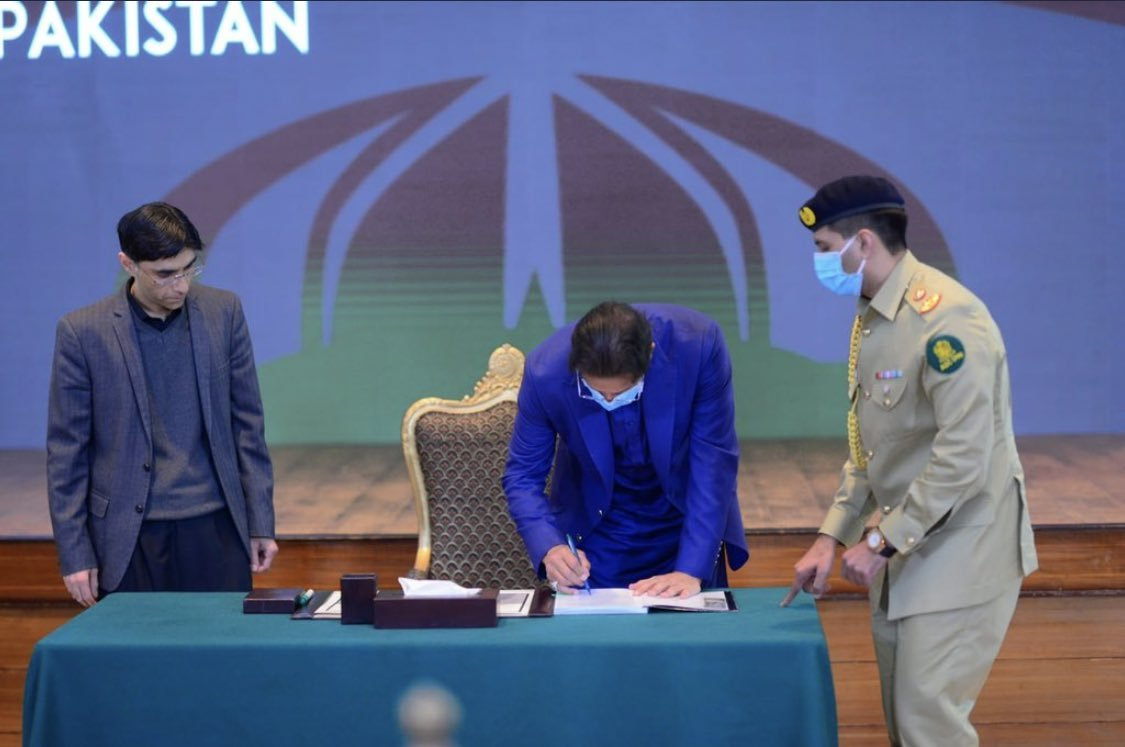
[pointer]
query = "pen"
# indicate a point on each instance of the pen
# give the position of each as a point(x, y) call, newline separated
point(305, 597)
point(573, 549)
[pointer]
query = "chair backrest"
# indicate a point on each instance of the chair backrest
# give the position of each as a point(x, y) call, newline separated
point(455, 455)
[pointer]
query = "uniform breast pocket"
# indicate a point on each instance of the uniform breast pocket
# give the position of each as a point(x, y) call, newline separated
point(887, 411)
point(887, 393)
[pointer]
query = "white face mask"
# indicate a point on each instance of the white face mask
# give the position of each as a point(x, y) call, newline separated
point(830, 271)
point(627, 397)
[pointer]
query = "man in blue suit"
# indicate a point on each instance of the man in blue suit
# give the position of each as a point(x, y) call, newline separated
point(158, 474)
point(634, 408)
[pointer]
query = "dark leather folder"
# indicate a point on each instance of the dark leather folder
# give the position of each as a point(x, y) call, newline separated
point(308, 610)
point(393, 610)
point(270, 601)
point(543, 603)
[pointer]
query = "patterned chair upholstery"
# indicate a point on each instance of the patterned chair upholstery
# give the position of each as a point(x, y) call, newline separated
point(455, 454)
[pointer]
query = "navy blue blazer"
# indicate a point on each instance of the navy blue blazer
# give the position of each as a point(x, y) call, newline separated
point(688, 411)
point(99, 433)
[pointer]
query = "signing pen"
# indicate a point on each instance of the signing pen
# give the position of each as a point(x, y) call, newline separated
point(305, 597)
point(573, 549)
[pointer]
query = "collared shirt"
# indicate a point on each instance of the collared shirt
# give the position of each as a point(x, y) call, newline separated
point(639, 535)
point(154, 321)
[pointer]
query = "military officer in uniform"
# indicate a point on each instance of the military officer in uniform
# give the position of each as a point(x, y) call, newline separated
point(931, 505)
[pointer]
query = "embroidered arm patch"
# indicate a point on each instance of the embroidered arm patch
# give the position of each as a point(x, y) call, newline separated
point(945, 353)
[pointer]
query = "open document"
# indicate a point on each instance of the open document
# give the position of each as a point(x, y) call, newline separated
point(624, 602)
point(537, 602)
point(514, 602)
point(329, 608)
point(324, 605)
point(706, 601)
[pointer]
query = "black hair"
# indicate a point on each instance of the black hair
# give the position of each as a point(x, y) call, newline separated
point(156, 230)
point(612, 339)
point(888, 225)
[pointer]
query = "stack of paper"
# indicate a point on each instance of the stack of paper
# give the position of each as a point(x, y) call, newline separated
point(600, 602)
point(624, 602)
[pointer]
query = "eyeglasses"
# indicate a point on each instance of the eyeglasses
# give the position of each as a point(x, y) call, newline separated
point(164, 281)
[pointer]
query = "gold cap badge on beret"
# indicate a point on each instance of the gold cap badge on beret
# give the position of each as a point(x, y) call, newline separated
point(848, 196)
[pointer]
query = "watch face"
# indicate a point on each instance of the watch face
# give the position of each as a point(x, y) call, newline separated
point(874, 540)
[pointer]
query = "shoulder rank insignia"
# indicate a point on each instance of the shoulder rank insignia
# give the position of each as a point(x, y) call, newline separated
point(923, 300)
point(945, 353)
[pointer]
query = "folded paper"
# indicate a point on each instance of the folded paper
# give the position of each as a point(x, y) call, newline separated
point(415, 587)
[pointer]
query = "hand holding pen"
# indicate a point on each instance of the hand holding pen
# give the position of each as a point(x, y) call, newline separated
point(567, 569)
point(573, 549)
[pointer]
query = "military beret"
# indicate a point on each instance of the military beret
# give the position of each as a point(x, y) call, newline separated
point(849, 196)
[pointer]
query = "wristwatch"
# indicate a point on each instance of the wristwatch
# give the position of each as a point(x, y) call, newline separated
point(876, 542)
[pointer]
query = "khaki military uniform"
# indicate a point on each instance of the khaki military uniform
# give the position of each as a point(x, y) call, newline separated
point(933, 457)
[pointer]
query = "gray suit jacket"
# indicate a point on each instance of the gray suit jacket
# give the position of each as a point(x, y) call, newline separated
point(99, 433)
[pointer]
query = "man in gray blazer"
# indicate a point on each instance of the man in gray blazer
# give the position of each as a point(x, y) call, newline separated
point(158, 474)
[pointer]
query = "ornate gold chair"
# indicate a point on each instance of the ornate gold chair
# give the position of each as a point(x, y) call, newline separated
point(455, 453)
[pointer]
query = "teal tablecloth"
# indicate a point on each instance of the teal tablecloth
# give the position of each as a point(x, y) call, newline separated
point(191, 669)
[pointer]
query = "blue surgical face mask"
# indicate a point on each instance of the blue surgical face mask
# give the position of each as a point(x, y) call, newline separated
point(830, 271)
point(627, 397)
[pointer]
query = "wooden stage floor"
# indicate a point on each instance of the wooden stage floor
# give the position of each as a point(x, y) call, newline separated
point(358, 491)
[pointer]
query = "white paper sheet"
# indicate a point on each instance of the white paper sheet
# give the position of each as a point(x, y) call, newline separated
point(623, 602)
point(415, 587)
point(329, 608)
point(514, 602)
point(599, 602)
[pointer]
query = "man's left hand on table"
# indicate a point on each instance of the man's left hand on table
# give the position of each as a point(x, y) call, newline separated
point(674, 584)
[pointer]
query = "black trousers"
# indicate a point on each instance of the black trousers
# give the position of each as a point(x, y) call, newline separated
point(203, 553)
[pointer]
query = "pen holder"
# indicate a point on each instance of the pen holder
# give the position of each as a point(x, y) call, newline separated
point(357, 598)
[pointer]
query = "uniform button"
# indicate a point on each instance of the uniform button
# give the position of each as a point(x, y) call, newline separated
point(866, 394)
point(910, 540)
point(148, 467)
point(579, 538)
point(886, 401)
point(871, 455)
point(600, 512)
point(886, 509)
point(139, 509)
point(866, 331)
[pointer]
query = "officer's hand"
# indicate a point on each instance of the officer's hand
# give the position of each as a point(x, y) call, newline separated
point(83, 586)
point(861, 565)
point(813, 569)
